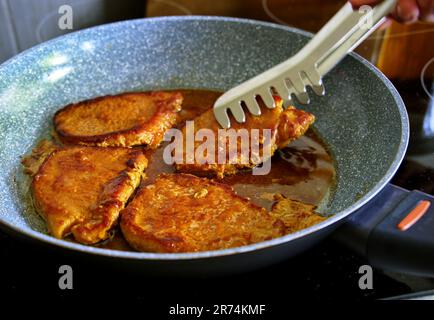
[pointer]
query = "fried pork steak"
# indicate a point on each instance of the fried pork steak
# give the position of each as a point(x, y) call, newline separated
point(81, 190)
point(284, 126)
point(124, 120)
point(185, 213)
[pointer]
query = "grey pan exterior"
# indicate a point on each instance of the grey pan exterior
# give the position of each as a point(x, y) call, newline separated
point(362, 117)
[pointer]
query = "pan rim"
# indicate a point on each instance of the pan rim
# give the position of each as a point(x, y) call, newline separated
point(131, 255)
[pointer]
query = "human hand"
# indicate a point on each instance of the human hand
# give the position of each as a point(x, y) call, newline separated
point(406, 11)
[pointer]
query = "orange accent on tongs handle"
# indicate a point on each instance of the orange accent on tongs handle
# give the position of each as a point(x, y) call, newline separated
point(414, 215)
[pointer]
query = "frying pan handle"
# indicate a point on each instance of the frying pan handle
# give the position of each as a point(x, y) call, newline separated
point(394, 231)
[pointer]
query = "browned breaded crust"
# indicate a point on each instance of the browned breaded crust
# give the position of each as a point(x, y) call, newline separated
point(184, 213)
point(80, 190)
point(33, 161)
point(285, 125)
point(294, 214)
point(293, 123)
point(124, 120)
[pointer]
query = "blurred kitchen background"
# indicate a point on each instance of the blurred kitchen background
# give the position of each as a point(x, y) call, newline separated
point(401, 51)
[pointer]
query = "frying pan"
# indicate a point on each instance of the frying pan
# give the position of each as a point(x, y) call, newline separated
point(362, 118)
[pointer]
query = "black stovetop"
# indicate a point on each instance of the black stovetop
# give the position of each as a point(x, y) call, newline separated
point(329, 271)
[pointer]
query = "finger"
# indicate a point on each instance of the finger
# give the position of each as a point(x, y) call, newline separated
point(358, 3)
point(426, 10)
point(407, 11)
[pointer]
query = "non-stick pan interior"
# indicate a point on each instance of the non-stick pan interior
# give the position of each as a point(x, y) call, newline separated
point(361, 118)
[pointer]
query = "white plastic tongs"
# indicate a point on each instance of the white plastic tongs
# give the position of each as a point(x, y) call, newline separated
point(339, 36)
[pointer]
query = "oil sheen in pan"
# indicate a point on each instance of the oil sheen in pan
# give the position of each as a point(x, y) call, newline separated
point(304, 170)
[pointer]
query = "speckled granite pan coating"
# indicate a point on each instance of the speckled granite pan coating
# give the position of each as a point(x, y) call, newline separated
point(362, 117)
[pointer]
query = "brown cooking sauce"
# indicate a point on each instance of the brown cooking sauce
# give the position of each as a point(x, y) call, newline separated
point(304, 170)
